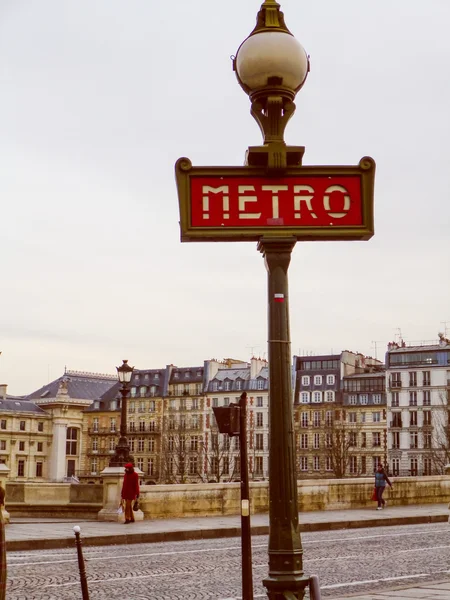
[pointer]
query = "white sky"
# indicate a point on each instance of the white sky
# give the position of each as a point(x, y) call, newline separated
point(98, 98)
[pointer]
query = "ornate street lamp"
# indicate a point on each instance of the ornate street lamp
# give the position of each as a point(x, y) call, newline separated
point(122, 451)
point(271, 67)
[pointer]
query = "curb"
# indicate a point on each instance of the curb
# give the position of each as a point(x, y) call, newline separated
point(205, 534)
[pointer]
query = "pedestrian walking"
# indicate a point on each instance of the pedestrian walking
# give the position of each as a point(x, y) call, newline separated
point(130, 491)
point(381, 479)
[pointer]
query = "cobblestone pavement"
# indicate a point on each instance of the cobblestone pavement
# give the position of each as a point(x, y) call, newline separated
point(347, 562)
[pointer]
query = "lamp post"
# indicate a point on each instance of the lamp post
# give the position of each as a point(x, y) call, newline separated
point(274, 200)
point(122, 451)
point(271, 67)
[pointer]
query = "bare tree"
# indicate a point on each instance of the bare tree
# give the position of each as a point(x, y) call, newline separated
point(340, 442)
point(174, 454)
point(436, 435)
point(217, 456)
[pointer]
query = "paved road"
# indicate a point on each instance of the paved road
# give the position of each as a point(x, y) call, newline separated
point(347, 562)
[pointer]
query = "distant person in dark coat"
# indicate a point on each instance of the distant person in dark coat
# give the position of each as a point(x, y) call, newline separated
point(381, 479)
point(130, 491)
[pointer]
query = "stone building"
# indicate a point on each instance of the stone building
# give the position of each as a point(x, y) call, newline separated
point(364, 406)
point(25, 438)
point(326, 432)
point(64, 401)
point(418, 383)
point(224, 383)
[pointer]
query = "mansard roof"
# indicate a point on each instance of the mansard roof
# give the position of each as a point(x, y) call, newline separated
point(18, 405)
point(80, 385)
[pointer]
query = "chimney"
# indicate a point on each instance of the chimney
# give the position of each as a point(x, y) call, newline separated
point(3, 387)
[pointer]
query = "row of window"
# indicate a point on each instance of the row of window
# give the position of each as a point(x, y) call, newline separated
point(318, 379)
point(415, 441)
point(327, 440)
point(356, 465)
point(22, 446)
point(316, 419)
point(415, 399)
point(261, 384)
point(22, 425)
point(319, 365)
point(141, 406)
point(364, 399)
point(426, 467)
point(316, 397)
point(259, 402)
point(21, 468)
point(424, 379)
point(397, 420)
point(194, 404)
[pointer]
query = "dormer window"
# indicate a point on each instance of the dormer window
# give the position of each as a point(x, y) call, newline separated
point(227, 386)
point(175, 375)
point(97, 404)
point(239, 384)
point(186, 374)
point(156, 376)
point(260, 384)
point(199, 373)
point(215, 386)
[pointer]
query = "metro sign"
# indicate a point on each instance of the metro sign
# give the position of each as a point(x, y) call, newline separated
point(245, 203)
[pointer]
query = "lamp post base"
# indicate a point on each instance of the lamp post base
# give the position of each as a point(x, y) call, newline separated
point(122, 454)
point(286, 587)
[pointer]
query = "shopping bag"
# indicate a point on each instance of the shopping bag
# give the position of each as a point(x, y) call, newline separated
point(136, 505)
point(120, 509)
point(374, 494)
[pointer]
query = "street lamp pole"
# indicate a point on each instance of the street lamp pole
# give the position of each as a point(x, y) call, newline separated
point(271, 66)
point(122, 451)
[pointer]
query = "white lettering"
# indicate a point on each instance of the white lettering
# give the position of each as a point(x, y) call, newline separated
point(301, 189)
point(244, 199)
point(224, 189)
point(326, 201)
point(275, 201)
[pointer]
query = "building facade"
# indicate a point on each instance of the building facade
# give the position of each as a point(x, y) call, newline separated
point(327, 428)
point(418, 383)
point(224, 383)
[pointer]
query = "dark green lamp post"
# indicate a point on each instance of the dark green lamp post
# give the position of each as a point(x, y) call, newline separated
point(122, 451)
point(271, 67)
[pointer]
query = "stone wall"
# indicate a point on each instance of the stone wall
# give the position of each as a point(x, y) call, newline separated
point(171, 501)
point(191, 500)
point(42, 500)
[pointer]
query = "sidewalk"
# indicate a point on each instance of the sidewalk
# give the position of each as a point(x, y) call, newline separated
point(39, 534)
point(427, 591)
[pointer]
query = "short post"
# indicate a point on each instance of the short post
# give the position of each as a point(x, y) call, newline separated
point(246, 534)
point(232, 420)
point(83, 580)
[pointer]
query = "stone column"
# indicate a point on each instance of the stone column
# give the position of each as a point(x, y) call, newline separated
point(112, 489)
point(58, 454)
point(4, 474)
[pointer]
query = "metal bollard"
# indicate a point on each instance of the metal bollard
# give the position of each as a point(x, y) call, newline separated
point(314, 588)
point(83, 580)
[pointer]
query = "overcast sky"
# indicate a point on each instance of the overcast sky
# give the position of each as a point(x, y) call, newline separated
point(98, 99)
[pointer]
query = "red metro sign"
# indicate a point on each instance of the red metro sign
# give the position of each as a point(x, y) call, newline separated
point(244, 203)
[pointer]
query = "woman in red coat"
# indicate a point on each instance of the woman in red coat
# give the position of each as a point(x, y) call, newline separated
point(130, 491)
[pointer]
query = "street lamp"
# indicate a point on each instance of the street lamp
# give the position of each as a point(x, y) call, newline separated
point(122, 451)
point(275, 200)
point(271, 67)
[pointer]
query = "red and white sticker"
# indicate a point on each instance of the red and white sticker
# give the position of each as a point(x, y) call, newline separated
point(278, 297)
